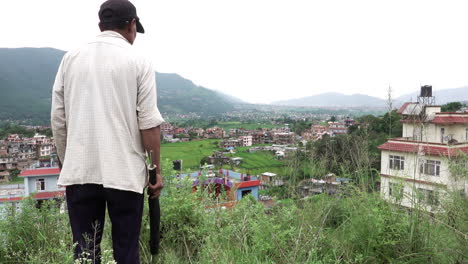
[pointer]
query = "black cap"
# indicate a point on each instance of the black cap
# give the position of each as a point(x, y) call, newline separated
point(113, 11)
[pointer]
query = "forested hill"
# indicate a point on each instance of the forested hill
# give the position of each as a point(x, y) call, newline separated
point(27, 76)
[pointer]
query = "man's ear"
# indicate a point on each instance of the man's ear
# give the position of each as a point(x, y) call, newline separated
point(100, 26)
point(131, 26)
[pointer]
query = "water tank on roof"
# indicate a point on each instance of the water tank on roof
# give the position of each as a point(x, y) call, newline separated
point(426, 91)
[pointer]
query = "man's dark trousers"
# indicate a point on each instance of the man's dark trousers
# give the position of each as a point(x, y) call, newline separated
point(86, 209)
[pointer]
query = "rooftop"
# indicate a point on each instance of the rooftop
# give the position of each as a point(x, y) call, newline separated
point(40, 172)
point(424, 148)
point(232, 178)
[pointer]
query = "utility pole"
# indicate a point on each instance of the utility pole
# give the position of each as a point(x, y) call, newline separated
point(390, 108)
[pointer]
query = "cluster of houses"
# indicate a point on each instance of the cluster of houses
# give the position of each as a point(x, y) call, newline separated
point(236, 137)
point(332, 128)
point(246, 138)
point(18, 152)
point(419, 168)
point(280, 151)
point(234, 184)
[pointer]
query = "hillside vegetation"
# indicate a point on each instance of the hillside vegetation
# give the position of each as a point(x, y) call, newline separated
point(27, 76)
point(357, 227)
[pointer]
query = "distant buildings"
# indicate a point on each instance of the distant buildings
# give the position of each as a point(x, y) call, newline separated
point(246, 141)
point(269, 179)
point(331, 129)
point(21, 153)
point(330, 185)
point(215, 132)
point(284, 138)
point(166, 128)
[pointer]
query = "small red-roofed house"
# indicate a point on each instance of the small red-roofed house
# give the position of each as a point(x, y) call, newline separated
point(39, 181)
point(39, 184)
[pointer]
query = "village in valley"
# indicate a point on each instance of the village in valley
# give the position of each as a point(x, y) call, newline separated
point(234, 132)
point(418, 162)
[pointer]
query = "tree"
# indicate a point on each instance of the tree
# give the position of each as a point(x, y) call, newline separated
point(205, 160)
point(14, 173)
point(451, 107)
point(193, 135)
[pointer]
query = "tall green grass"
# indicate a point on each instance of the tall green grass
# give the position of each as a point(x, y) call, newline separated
point(355, 227)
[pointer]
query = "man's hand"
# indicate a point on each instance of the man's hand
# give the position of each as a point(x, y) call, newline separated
point(154, 190)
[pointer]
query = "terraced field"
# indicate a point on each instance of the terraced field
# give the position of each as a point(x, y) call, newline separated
point(190, 152)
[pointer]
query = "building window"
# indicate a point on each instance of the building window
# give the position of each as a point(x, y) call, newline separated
point(40, 185)
point(397, 162)
point(430, 167)
point(246, 192)
point(442, 134)
point(429, 197)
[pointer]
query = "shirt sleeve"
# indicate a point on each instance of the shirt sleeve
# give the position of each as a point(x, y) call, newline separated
point(58, 118)
point(147, 109)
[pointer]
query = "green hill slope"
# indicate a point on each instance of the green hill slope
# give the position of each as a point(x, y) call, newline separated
point(27, 76)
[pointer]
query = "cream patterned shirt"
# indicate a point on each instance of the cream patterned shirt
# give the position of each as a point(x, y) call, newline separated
point(103, 95)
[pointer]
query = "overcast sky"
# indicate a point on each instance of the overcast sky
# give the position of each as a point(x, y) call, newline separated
point(267, 50)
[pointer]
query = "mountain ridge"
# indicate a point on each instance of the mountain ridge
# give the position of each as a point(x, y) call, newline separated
point(333, 99)
point(27, 76)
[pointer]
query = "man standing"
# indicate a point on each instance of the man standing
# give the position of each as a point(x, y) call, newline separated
point(104, 117)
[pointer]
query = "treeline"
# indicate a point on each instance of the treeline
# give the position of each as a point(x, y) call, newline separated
point(8, 128)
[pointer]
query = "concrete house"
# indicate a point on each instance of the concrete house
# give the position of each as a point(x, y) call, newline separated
point(41, 181)
point(246, 141)
point(40, 184)
point(418, 167)
point(269, 179)
point(236, 185)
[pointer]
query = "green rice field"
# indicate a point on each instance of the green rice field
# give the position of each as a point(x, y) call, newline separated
point(193, 151)
point(190, 152)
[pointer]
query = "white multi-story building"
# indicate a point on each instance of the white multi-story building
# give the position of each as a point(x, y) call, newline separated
point(429, 160)
point(246, 141)
point(44, 150)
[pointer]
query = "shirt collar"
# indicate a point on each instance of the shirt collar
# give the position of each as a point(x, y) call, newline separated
point(112, 34)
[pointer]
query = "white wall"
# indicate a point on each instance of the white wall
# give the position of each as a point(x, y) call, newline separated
point(412, 171)
point(432, 132)
point(410, 191)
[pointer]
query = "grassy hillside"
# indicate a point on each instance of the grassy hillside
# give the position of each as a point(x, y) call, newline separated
point(27, 76)
point(358, 227)
point(179, 95)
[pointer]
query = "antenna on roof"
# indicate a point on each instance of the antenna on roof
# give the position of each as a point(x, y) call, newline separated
point(390, 107)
